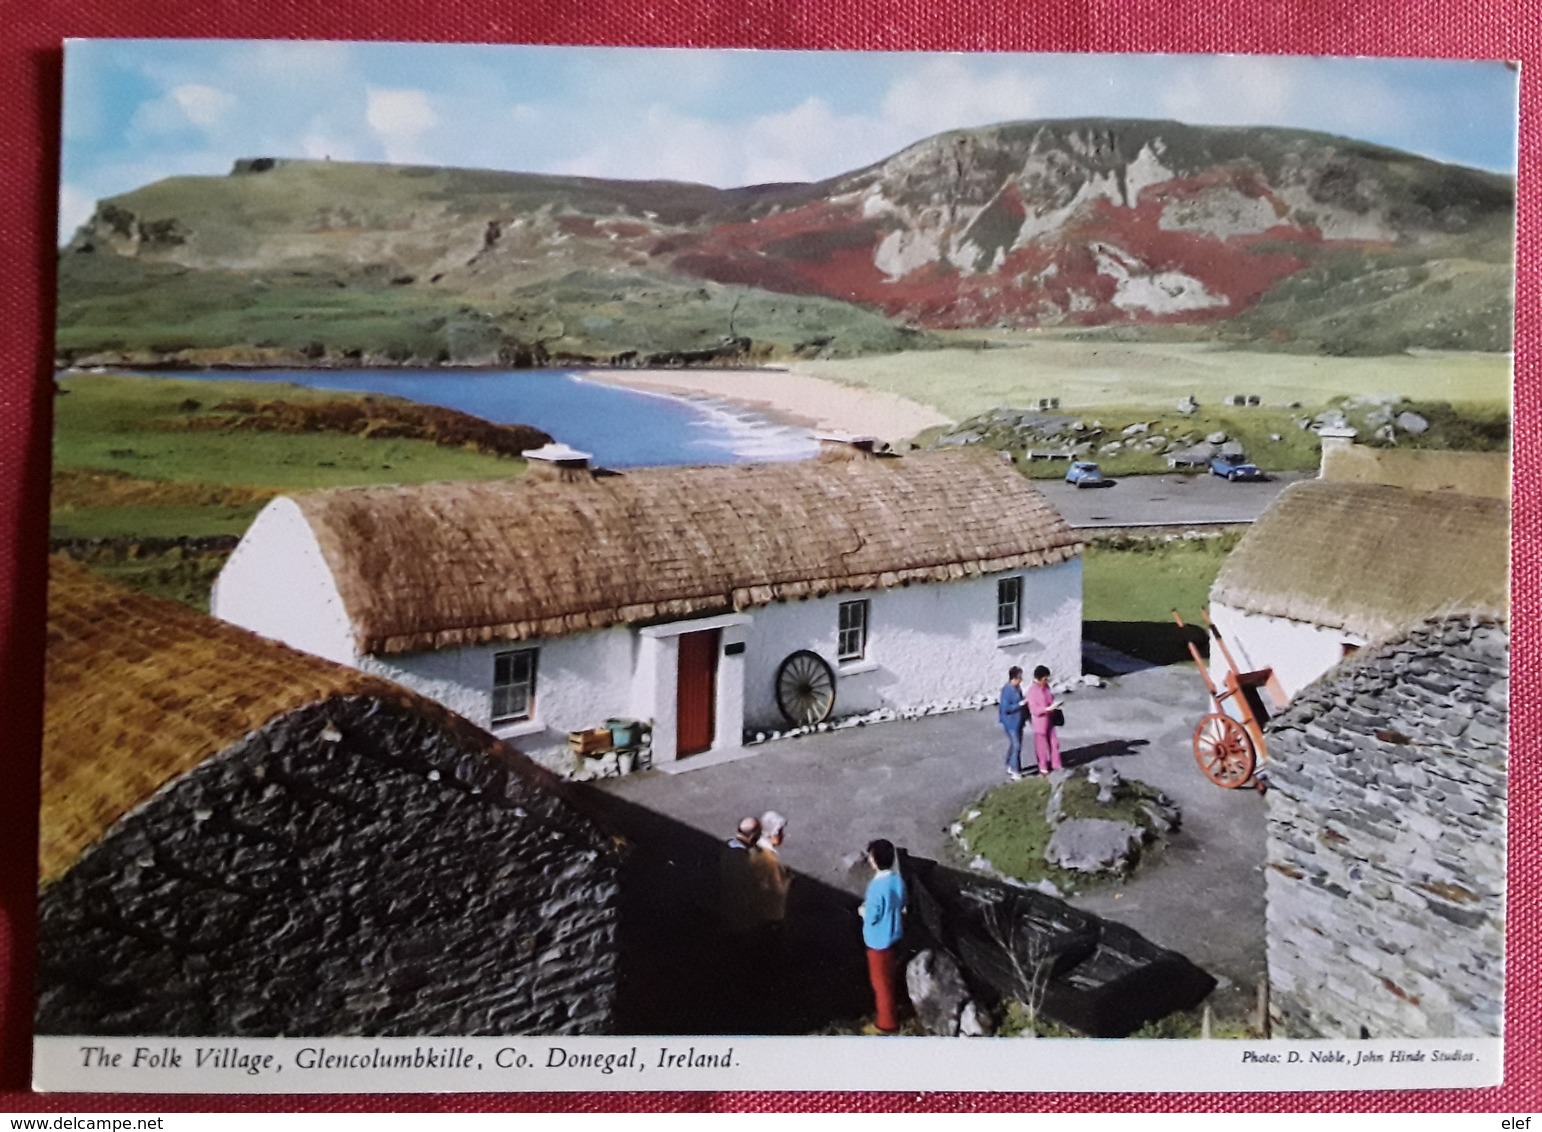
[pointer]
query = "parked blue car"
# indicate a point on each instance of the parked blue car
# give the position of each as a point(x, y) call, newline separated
point(1235, 468)
point(1084, 473)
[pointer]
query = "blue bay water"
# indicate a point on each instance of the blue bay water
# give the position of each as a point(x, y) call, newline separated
point(621, 428)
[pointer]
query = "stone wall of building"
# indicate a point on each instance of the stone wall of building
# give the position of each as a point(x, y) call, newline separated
point(1386, 847)
point(360, 866)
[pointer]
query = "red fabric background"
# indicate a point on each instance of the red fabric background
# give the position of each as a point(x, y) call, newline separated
point(30, 67)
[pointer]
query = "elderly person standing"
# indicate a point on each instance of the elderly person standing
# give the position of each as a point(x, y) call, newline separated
point(1045, 711)
point(1010, 713)
point(772, 878)
point(738, 905)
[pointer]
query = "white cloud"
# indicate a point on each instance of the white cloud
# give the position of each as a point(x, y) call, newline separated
point(1231, 90)
point(75, 208)
point(400, 118)
point(189, 106)
point(659, 143)
point(798, 145)
point(204, 106)
point(944, 93)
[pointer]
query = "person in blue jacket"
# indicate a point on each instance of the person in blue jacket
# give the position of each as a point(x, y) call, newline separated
point(883, 924)
point(1012, 715)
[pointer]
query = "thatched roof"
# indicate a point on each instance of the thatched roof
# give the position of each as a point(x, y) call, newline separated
point(459, 563)
point(140, 691)
point(1370, 559)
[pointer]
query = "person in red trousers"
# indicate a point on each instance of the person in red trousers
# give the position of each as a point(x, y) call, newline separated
point(883, 925)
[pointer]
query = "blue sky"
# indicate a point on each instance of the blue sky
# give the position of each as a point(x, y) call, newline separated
point(136, 111)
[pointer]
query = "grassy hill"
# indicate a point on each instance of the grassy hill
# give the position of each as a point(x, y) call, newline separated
point(1276, 240)
point(127, 464)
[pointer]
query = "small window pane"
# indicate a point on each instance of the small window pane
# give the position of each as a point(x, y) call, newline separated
point(851, 643)
point(513, 686)
point(1009, 605)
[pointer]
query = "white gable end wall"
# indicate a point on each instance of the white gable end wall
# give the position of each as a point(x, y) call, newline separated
point(276, 583)
point(1298, 651)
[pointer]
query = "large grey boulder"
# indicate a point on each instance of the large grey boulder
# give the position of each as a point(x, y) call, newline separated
point(1094, 845)
point(1196, 456)
point(937, 991)
point(1412, 423)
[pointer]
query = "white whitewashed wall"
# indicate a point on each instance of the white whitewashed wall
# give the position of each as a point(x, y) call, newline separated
point(277, 583)
point(927, 644)
point(580, 681)
point(1299, 652)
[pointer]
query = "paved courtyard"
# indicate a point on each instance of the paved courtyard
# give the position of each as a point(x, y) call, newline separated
point(909, 780)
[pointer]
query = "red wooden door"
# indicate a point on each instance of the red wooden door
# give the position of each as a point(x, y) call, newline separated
point(696, 716)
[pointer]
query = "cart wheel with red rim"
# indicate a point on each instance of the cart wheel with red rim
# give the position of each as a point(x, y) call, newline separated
point(1224, 750)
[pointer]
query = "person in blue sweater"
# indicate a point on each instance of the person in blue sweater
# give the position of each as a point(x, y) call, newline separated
point(883, 925)
point(1012, 715)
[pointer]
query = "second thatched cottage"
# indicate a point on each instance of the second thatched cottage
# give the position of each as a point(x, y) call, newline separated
point(1333, 567)
point(708, 601)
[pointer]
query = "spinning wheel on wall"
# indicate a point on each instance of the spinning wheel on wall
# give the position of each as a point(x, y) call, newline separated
point(805, 689)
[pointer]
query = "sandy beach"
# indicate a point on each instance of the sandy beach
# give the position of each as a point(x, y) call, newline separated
point(788, 396)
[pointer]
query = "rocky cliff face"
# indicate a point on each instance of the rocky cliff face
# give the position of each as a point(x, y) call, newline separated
point(1032, 224)
point(1023, 224)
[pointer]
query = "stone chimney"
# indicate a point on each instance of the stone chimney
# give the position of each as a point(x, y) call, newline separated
point(1335, 439)
point(556, 461)
point(844, 446)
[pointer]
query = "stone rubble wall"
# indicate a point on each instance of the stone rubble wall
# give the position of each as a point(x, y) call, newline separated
point(404, 880)
point(1385, 881)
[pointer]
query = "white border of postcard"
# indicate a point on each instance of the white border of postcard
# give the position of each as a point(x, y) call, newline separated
point(519, 1064)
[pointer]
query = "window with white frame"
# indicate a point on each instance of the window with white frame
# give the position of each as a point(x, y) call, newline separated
point(514, 685)
point(1009, 605)
point(852, 641)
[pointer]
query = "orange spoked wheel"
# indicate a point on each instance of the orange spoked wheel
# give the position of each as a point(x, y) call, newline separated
point(1224, 751)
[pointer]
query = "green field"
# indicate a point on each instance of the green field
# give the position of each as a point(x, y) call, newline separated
point(1019, 369)
point(1131, 586)
point(158, 479)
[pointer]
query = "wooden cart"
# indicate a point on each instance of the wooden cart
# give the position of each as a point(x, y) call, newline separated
point(1228, 750)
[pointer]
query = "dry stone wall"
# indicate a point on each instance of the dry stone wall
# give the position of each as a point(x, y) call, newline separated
point(398, 879)
point(1386, 847)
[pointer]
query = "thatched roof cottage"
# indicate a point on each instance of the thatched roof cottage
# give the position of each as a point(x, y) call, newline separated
point(707, 601)
point(1386, 871)
point(1331, 567)
point(240, 839)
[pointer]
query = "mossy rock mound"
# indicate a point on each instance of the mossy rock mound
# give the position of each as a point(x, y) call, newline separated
point(1011, 827)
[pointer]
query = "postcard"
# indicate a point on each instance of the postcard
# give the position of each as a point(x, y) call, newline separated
point(674, 569)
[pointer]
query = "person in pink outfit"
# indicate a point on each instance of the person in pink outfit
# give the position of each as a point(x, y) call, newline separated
point(1042, 707)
